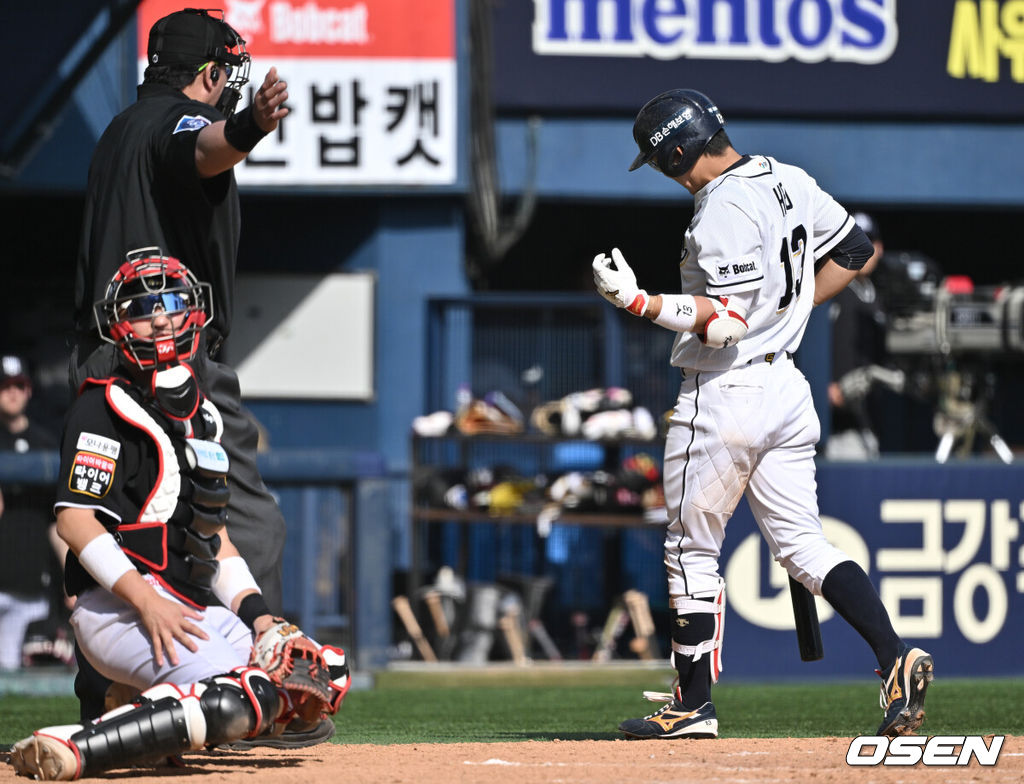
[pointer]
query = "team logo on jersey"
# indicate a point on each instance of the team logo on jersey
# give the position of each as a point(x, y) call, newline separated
point(91, 474)
point(190, 122)
point(90, 442)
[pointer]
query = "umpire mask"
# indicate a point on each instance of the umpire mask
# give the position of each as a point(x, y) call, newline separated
point(194, 37)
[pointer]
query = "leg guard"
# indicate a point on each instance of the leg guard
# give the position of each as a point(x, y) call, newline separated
point(683, 645)
point(167, 720)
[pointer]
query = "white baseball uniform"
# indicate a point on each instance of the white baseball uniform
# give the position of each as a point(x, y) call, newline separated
point(744, 421)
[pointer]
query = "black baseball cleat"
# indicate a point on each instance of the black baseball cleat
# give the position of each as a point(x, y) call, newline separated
point(672, 720)
point(903, 690)
point(291, 738)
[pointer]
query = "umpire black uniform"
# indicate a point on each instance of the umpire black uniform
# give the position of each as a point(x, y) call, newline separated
point(145, 189)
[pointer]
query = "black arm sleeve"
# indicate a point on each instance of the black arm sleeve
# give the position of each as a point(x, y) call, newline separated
point(853, 250)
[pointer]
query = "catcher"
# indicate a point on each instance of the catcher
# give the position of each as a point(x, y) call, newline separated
point(165, 604)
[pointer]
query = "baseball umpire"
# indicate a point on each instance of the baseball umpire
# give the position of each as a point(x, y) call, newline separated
point(141, 503)
point(162, 174)
point(764, 246)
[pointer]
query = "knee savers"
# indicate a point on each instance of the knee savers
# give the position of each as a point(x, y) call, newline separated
point(690, 612)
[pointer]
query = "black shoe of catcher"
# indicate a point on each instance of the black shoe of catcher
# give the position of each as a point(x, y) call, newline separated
point(289, 739)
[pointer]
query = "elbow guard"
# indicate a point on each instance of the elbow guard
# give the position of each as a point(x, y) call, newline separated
point(724, 327)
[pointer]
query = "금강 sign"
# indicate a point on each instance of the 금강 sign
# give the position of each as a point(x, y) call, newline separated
point(371, 84)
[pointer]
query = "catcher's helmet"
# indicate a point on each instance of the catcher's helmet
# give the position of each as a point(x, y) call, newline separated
point(676, 118)
point(146, 285)
point(194, 37)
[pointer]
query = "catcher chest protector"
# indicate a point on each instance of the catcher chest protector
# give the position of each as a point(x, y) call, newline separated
point(676, 118)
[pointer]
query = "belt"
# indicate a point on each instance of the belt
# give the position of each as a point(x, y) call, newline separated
point(770, 357)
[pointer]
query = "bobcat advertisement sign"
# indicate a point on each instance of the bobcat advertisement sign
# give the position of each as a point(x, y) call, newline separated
point(371, 83)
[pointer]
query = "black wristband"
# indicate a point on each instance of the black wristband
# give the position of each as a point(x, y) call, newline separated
point(251, 608)
point(241, 130)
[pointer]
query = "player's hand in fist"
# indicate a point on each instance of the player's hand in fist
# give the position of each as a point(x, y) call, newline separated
point(616, 283)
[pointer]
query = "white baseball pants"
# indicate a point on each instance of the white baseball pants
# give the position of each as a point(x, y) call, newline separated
point(750, 430)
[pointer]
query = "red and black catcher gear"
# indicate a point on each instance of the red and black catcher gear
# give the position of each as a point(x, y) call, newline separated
point(149, 284)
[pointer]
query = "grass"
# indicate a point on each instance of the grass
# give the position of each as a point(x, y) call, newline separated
point(448, 707)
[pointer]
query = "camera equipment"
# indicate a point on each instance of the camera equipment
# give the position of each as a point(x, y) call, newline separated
point(954, 334)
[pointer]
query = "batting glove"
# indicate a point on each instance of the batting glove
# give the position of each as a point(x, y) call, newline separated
point(616, 282)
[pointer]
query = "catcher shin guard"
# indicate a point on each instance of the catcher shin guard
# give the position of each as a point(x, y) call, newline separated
point(164, 721)
point(337, 668)
point(239, 705)
point(693, 636)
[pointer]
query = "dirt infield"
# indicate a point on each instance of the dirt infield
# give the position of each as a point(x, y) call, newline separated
point(722, 761)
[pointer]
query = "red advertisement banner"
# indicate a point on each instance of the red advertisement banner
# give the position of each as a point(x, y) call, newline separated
point(414, 29)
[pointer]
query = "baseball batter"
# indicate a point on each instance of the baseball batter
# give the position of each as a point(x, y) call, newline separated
point(165, 603)
point(765, 246)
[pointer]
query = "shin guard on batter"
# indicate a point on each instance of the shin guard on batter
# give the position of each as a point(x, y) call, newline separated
point(165, 720)
point(697, 644)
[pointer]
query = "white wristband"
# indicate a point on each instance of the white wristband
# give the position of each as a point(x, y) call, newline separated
point(233, 577)
point(678, 312)
point(104, 559)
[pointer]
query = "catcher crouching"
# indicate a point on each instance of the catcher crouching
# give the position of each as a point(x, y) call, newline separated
point(165, 605)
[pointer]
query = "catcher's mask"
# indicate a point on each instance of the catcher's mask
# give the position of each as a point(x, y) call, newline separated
point(150, 284)
point(194, 36)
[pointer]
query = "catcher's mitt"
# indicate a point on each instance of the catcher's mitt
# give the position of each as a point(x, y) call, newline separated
point(297, 665)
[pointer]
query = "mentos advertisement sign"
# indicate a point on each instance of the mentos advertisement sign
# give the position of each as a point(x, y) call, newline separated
point(843, 58)
point(371, 83)
point(842, 30)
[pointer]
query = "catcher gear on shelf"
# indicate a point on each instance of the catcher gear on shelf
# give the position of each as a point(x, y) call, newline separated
point(147, 284)
point(677, 118)
point(298, 667)
point(194, 37)
point(163, 721)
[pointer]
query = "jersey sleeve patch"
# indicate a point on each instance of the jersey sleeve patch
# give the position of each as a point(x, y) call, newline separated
point(735, 272)
point(102, 445)
point(190, 122)
point(91, 474)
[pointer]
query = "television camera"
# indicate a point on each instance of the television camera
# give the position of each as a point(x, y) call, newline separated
point(956, 335)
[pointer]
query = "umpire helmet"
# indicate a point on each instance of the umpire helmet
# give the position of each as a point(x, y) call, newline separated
point(676, 118)
point(194, 37)
point(147, 284)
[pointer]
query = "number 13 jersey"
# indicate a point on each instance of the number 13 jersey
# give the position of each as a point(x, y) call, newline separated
point(758, 227)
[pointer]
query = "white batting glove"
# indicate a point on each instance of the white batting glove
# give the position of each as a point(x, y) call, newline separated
point(616, 282)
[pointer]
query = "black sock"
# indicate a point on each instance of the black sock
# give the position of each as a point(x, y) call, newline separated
point(848, 589)
point(694, 676)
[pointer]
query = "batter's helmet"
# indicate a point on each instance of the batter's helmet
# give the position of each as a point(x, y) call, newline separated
point(149, 283)
point(676, 118)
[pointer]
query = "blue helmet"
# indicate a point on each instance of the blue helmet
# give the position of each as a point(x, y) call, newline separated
point(676, 118)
